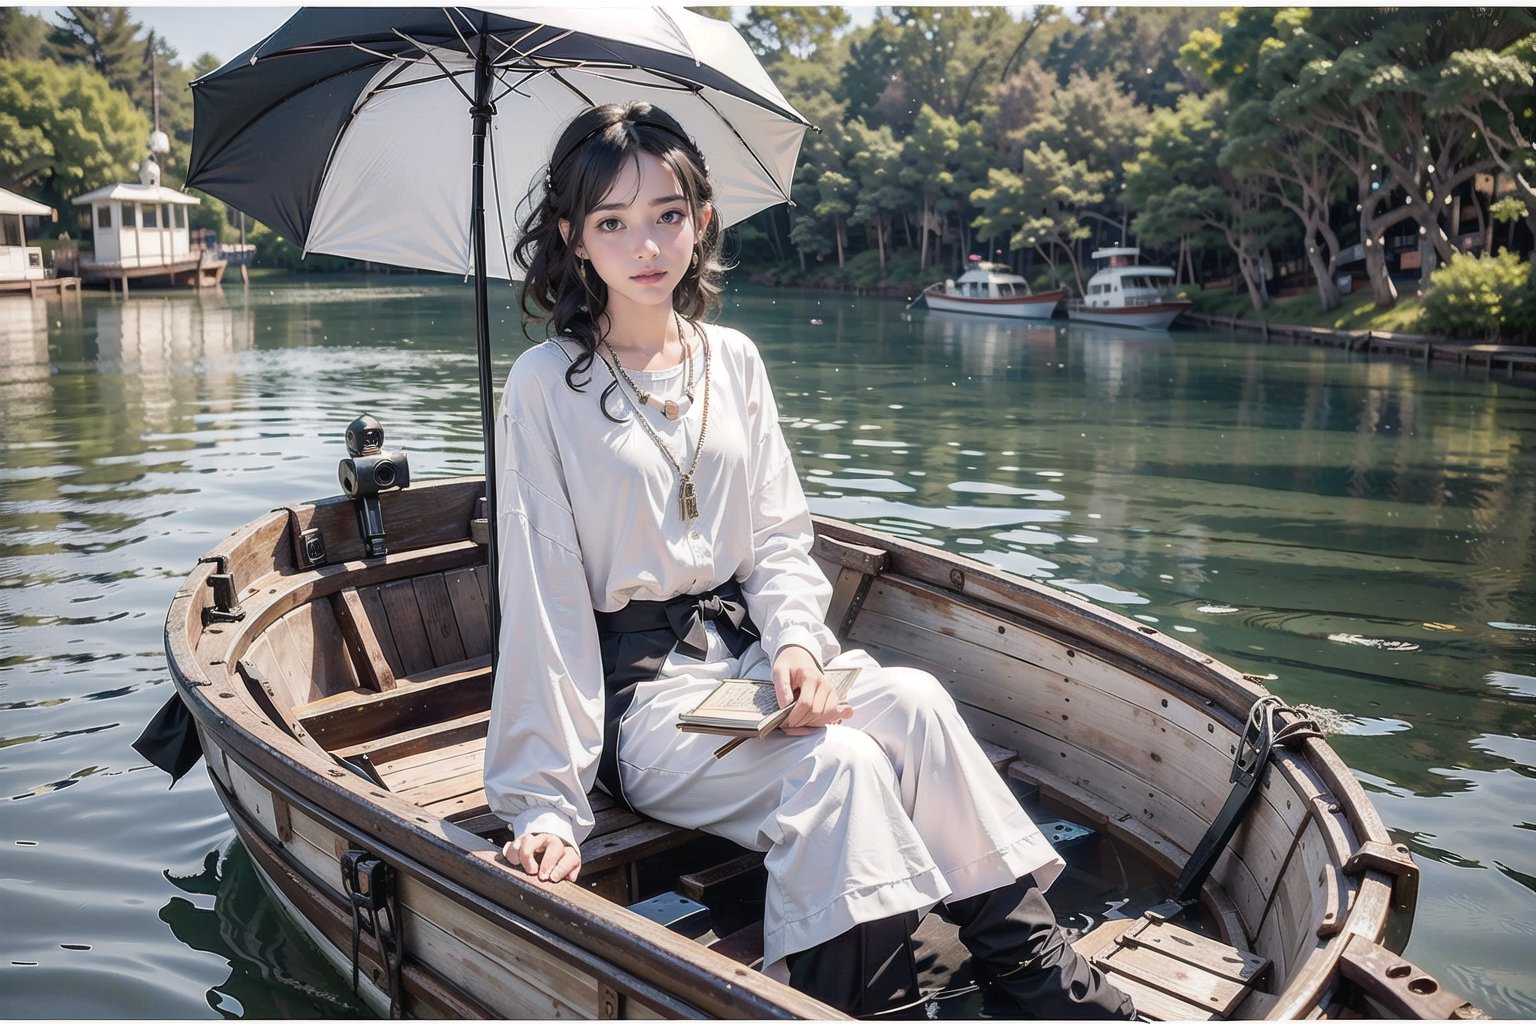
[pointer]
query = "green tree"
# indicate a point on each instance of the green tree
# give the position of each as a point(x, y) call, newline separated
point(875, 160)
point(64, 131)
point(22, 35)
point(104, 38)
point(938, 160)
point(1019, 103)
point(1137, 46)
point(1362, 84)
point(1041, 206)
point(1303, 173)
point(775, 32)
point(943, 57)
point(1496, 91)
point(1182, 189)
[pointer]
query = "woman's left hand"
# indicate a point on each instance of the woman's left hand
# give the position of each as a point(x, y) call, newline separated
point(796, 675)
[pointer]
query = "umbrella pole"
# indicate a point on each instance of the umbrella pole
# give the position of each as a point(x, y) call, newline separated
point(481, 114)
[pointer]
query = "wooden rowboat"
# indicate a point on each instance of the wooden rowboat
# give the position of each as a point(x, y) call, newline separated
point(342, 704)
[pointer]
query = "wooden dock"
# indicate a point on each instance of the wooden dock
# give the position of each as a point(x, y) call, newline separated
point(45, 286)
point(1512, 362)
point(198, 271)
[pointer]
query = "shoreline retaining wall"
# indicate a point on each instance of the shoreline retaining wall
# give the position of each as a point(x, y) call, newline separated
point(1516, 362)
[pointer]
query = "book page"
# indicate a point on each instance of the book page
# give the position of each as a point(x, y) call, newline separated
point(748, 696)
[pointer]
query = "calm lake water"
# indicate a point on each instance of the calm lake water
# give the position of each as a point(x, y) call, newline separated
point(1359, 533)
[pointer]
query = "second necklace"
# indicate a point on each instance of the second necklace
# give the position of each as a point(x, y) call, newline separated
point(670, 409)
point(687, 496)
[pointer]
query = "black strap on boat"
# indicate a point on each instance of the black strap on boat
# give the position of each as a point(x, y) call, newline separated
point(1248, 767)
point(370, 887)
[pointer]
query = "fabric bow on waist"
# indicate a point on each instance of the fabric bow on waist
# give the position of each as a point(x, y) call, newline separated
point(687, 618)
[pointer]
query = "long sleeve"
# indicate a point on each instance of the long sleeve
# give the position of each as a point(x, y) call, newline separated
point(546, 728)
point(786, 591)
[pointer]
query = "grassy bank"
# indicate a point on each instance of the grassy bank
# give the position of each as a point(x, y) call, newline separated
point(1357, 313)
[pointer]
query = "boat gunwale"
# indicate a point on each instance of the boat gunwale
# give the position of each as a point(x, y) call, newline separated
point(237, 722)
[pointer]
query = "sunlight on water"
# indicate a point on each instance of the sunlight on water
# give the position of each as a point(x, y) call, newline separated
point(1356, 535)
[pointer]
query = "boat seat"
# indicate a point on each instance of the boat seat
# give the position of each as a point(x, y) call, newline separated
point(423, 703)
point(1173, 973)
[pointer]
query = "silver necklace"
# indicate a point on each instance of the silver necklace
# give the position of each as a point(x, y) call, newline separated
point(687, 496)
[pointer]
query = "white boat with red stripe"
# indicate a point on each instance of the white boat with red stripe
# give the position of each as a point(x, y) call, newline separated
point(991, 290)
point(1128, 293)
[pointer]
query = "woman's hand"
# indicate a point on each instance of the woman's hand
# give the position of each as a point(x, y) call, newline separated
point(796, 675)
point(545, 855)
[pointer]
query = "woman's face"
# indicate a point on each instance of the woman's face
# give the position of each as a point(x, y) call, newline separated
point(640, 237)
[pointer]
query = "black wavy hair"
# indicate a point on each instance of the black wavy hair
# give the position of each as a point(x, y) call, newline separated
point(587, 159)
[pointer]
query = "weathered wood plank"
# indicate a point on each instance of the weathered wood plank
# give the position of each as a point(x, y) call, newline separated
point(363, 642)
point(862, 558)
point(465, 777)
point(406, 626)
point(469, 607)
point(1155, 1004)
point(350, 718)
point(424, 738)
point(437, 618)
point(437, 761)
point(372, 601)
point(491, 958)
point(286, 692)
point(315, 628)
point(414, 517)
point(1184, 964)
point(640, 840)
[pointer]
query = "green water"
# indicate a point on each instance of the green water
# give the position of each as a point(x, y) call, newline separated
point(1359, 531)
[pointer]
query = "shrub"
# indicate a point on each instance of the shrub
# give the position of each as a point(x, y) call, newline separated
point(1482, 297)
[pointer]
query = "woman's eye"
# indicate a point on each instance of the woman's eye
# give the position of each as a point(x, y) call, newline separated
point(609, 224)
point(673, 217)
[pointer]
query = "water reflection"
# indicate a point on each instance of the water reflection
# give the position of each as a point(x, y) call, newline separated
point(273, 972)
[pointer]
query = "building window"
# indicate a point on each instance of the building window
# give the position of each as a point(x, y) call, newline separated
point(179, 215)
point(149, 215)
point(104, 215)
point(165, 215)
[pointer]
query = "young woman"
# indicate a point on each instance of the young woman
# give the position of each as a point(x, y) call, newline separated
point(642, 475)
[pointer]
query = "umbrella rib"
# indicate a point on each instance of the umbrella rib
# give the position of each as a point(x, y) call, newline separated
point(490, 144)
point(449, 12)
point(744, 144)
point(425, 52)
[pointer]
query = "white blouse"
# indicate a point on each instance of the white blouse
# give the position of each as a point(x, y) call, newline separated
point(588, 517)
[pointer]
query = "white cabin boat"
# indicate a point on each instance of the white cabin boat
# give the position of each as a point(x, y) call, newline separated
point(991, 289)
point(18, 260)
point(1128, 293)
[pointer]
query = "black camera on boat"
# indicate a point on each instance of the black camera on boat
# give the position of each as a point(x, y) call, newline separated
point(369, 470)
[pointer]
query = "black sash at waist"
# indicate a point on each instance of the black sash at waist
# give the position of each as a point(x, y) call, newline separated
point(635, 641)
point(685, 616)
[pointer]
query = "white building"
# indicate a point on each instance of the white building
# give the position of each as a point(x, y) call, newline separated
point(18, 260)
point(139, 225)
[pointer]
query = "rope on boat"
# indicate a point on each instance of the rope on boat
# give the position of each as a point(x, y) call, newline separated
point(1248, 766)
point(370, 888)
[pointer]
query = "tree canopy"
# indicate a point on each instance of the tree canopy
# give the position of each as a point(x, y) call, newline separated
point(1253, 145)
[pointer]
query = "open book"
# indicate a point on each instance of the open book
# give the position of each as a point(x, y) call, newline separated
point(749, 707)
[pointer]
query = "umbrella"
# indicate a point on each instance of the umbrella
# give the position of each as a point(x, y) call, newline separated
point(409, 136)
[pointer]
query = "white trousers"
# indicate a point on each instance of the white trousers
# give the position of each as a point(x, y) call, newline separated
point(889, 812)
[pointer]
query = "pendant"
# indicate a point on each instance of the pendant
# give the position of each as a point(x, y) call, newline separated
point(669, 409)
point(688, 501)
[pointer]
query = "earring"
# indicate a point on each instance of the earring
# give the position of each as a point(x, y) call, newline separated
point(695, 258)
point(581, 270)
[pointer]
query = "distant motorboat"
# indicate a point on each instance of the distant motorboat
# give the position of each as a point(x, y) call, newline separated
point(1128, 293)
point(992, 290)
